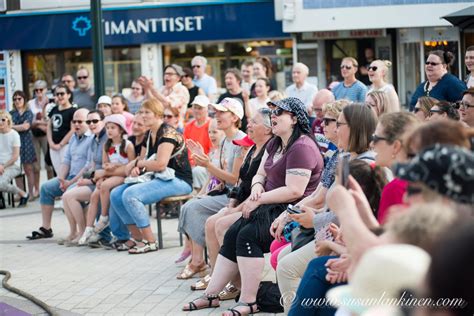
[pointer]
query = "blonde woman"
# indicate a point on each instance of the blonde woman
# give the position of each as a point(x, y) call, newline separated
point(381, 103)
point(378, 75)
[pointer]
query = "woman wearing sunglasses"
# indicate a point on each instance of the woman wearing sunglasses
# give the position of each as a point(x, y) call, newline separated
point(423, 107)
point(290, 169)
point(440, 84)
point(443, 110)
point(378, 75)
point(60, 130)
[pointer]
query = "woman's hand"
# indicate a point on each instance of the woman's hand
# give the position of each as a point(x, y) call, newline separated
point(129, 167)
point(195, 147)
point(249, 207)
point(305, 218)
point(135, 172)
point(202, 160)
point(276, 229)
point(83, 182)
point(55, 147)
point(257, 190)
point(322, 249)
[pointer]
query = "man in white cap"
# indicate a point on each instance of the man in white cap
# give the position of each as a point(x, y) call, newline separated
point(104, 104)
point(198, 130)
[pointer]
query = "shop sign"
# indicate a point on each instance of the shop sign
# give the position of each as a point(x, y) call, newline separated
point(139, 26)
point(369, 33)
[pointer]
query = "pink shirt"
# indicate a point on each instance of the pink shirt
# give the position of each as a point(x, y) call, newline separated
point(392, 194)
point(128, 121)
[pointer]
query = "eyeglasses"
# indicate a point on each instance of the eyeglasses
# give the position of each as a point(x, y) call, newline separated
point(436, 111)
point(277, 111)
point(413, 190)
point(77, 122)
point(17, 99)
point(60, 94)
point(373, 68)
point(38, 90)
point(95, 121)
point(83, 77)
point(168, 116)
point(196, 66)
point(328, 120)
point(416, 110)
point(376, 139)
point(339, 124)
point(464, 105)
point(430, 63)
point(348, 67)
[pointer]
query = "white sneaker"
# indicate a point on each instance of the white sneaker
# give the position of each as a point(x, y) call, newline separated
point(94, 237)
point(102, 223)
point(85, 236)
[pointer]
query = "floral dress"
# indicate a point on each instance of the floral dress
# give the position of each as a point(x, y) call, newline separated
point(27, 149)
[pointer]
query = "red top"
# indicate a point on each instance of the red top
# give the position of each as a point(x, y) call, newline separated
point(199, 134)
point(392, 194)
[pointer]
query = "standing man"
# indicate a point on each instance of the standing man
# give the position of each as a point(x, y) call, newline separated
point(70, 171)
point(300, 88)
point(247, 75)
point(203, 80)
point(350, 89)
point(369, 57)
point(68, 80)
point(469, 62)
point(84, 96)
point(322, 97)
point(467, 107)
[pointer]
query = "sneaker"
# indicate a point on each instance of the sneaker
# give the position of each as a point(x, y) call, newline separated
point(102, 223)
point(85, 236)
point(95, 243)
point(94, 237)
point(24, 200)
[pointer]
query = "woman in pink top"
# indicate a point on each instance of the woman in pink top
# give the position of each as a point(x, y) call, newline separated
point(387, 143)
point(120, 106)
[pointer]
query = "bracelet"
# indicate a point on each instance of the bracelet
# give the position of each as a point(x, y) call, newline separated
point(255, 184)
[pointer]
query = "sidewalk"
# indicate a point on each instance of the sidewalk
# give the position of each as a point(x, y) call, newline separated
point(85, 281)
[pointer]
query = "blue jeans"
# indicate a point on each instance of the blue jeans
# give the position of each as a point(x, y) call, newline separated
point(127, 202)
point(313, 287)
point(50, 190)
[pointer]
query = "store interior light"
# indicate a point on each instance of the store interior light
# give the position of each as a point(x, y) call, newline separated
point(436, 43)
point(248, 48)
point(182, 48)
point(199, 48)
point(78, 53)
point(124, 51)
point(220, 48)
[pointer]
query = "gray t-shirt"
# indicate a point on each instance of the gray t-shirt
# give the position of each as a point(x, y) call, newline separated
point(230, 152)
point(7, 142)
point(84, 99)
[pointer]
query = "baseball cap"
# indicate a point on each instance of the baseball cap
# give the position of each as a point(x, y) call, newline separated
point(244, 142)
point(201, 100)
point(230, 105)
point(105, 99)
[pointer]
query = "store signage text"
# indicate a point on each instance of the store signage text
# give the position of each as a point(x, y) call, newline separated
point(344, 34)
point(154, 25)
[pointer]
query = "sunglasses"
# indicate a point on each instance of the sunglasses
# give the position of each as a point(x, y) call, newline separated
point(17, 99)
point(38, 90)
point(374, 68)
point(82, 78)
point(60, 94)
point(168, 116)
point(346, 66)
point(412, 190)
point(95, 121)
point(277, 111)
point(376, 139)
point(196, 66)
point(430, 63)
point(328, 120)
point(436, 111)
point(77, 122)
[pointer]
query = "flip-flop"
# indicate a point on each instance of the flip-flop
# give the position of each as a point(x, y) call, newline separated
point(42, 233)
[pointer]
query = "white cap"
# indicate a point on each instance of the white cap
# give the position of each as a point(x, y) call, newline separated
point(232, 105)
point(201, 100)
point(105, 99)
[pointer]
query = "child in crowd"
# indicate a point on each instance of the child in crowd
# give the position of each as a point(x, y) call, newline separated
point(117, 153)
point(120, 106)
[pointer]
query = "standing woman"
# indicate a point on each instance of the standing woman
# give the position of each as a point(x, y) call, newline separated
point(136, 98)
point(165, 149)
point(59, 130)
point(37, 105)
point(440, 84)
point(378, 75)
point(262, 68)
point(262, 88)
point(22, 118)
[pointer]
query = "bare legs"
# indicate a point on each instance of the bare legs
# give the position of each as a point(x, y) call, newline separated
point(73, 209)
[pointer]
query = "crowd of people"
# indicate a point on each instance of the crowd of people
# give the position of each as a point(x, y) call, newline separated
point(351, 194)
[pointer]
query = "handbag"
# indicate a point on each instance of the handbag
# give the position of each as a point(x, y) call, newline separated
point(301, 236)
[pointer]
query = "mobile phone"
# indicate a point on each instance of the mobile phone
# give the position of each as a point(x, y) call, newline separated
point(293, 209)
point(344, 169)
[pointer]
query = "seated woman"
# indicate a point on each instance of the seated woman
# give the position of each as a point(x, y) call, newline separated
point(10, 157)
point(290, 170)
point(164, 152)
point(195, 212)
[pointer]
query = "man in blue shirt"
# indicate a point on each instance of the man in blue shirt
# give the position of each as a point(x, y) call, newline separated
point(71, 170)
point(350, 89)
point(203, 80)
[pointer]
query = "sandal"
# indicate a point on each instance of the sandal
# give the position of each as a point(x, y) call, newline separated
point(209, 297)
point(189, 271)
point(125, 246)
point(147, 247)
point(201, 284)
point(42, 233)
point(229, 292)
point(237, 313)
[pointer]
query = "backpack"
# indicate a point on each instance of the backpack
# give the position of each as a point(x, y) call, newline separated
point(268, 297)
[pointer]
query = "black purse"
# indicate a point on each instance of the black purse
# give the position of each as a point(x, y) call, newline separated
point(301, 236)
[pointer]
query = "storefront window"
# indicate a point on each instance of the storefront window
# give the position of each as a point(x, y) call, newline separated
point(410, 71)
point(221, 56)
point(122, 66)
